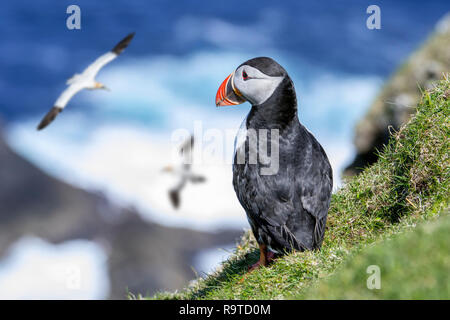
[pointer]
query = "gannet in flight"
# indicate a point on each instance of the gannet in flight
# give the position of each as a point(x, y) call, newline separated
point(184, 172)
point(85, 80)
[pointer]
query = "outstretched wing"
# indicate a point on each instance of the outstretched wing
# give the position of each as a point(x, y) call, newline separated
point(174, 193)
point(67, 94)
point(94, 68)
point(60, 104)
point(49, 117)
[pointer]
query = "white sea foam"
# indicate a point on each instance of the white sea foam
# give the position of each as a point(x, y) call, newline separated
point(126, 163)
point(35, 269)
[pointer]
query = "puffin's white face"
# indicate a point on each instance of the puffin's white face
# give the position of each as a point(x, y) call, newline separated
point(247, 84)
point(255, 86)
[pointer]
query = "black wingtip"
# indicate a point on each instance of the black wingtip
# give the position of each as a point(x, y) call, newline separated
point(49, 117)
point(174, 198)
point(123, 44)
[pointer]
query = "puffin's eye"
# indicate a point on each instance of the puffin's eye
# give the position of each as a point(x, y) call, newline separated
point(244, 75)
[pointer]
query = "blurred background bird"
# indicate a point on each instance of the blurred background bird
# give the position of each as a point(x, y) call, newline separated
point(184, 172)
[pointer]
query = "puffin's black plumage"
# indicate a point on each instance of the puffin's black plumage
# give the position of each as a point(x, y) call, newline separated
point(287, 210)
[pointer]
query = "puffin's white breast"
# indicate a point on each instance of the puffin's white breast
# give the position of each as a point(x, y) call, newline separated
point(241, 136)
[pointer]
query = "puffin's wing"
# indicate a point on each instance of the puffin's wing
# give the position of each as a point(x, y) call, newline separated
point(279, 202)
point(94, 68)
point(315, 194)
point(60, 104)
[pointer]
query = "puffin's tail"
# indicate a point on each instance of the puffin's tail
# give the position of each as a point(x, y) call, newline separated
point(319, 232)
point(293, 241)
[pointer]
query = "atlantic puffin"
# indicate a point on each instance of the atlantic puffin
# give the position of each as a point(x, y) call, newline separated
point(287, 209)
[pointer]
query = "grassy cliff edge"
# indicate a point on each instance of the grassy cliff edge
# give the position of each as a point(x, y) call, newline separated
point(406, 187)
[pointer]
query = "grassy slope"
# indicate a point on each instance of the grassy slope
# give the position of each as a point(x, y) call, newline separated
point(408, 185)
point(412, 266)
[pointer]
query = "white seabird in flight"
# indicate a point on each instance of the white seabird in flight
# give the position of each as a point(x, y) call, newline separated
point(85, 80)
point(185, 172)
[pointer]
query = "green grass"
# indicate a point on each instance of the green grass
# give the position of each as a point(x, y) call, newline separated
point(414, 265)
point(409, 185)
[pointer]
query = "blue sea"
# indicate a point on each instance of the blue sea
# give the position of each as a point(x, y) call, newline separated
point(117, 142)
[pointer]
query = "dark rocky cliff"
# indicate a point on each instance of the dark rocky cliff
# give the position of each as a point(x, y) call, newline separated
point(400, 95)
point(142, 256)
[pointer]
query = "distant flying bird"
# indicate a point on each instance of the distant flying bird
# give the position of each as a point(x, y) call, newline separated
point(184, 173)
point(287, 210)
point(85, 80)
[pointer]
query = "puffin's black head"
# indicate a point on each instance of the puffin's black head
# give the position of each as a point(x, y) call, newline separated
point(255, 81)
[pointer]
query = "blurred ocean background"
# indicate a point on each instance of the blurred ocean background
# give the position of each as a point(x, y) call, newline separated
point(117, 142)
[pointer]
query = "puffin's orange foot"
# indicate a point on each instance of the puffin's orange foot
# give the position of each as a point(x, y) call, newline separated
point(250, 269)
point(266, 258)
point(270, 256)
point(254, 266)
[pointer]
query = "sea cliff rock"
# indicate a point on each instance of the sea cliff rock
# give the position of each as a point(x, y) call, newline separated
point(399, 96)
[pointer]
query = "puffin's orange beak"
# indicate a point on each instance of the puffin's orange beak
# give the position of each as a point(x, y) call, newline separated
point(228, 94)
